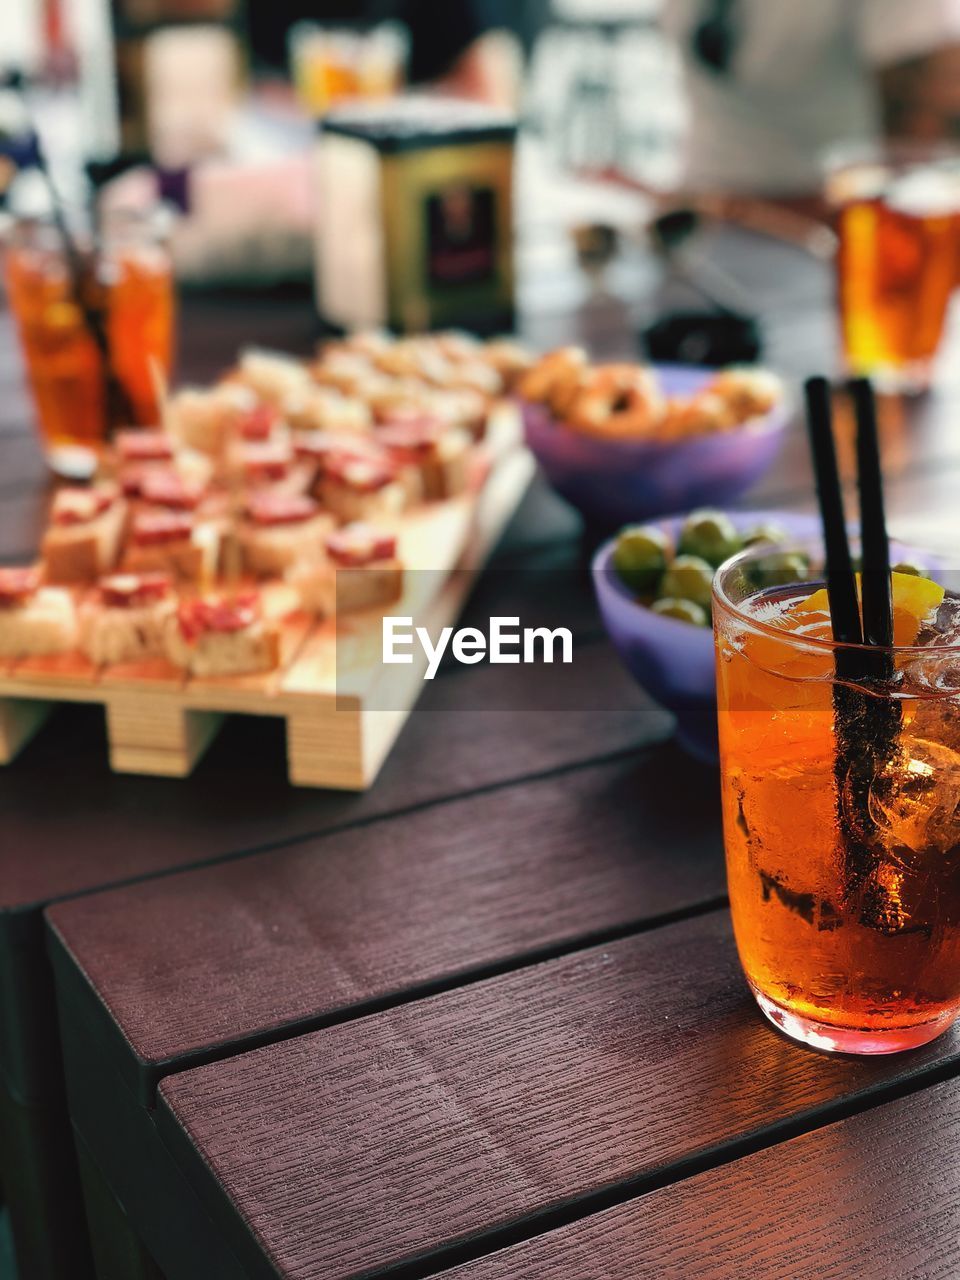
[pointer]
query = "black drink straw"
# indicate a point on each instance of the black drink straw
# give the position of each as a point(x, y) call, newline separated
point(841, 584)
point(866, 724)
point(875, 588)
point(117, 402)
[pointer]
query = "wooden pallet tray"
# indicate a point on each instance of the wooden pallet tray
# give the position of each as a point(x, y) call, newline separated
point(340, 722)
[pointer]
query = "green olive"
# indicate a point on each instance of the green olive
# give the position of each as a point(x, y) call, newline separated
point(688, 578)
point(640, 555)
point(780, 570)
point(682, 610)
point(907, 566)
point(710, 535)
point(764, 533)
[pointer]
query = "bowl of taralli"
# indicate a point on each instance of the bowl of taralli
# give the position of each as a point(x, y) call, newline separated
point(626, 441)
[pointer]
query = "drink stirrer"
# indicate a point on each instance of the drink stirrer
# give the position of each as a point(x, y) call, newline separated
point(866, 727)
point(875, 582)
point(841, 584)
point(876, 628)
point(117, 402)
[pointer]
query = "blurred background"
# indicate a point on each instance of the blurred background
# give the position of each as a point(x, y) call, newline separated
point(705, 180)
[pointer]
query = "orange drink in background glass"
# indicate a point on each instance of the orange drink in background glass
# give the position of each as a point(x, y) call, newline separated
point(841, 811)
point(897, 217)
point(330, 64)
point(126, 285)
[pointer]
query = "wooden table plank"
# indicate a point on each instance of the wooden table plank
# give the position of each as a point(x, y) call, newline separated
point(195, 962)
point(215, 325)
point(431, 1132)
point(22, 466)
point(452, 744)
point(16, 408)
point(22, 517)
point(542, 520)
point(875, 1196)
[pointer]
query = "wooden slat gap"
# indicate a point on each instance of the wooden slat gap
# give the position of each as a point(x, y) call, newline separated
point(456, 981)
point(404, 811)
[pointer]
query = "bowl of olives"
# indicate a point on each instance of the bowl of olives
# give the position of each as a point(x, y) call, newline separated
point(653, 584)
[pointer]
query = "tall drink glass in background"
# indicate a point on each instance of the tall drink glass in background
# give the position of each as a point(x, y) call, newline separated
point(897, 216)
point(841, 810)
point(117, 295)
point(330, 65)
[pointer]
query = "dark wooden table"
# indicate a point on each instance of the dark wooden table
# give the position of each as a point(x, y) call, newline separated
point(486, 1016)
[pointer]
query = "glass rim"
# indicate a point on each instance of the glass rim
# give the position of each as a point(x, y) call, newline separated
point(722, 598)
point(851, 153)
point(117, 222)
point(854, 172)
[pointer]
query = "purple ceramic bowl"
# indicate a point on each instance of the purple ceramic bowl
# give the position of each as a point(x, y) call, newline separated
point(672, 660)
point(614, 482)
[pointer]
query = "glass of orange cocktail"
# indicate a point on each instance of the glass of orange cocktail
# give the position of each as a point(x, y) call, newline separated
point(841, 803)
point(95, 325)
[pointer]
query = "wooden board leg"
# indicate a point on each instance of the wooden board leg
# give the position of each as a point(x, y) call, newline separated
point(150, 734)
point(118, 1252)
point(325, 748)
point(340, 748)
point(20, 718)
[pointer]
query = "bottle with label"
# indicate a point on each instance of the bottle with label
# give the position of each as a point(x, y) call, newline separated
point(415, 216)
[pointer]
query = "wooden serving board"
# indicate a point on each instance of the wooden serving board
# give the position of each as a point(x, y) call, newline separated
point(340, 720)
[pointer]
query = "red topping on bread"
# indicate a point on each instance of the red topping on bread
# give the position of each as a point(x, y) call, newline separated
point(356, 545)
point(259, 422)
point(409, 416)
point(127, 590)
point(320, 445)
point(218, 614)
point(365, 475)
point(144, 446)
point(410, 438)
point(131, 478)
point(17, 585)
point(169, 489)
point(154, 528)
point(267, 460)
point(79, 506)
point(271, 508)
